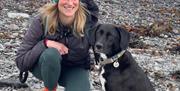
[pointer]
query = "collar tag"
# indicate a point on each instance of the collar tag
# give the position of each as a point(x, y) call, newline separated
point(116, 64)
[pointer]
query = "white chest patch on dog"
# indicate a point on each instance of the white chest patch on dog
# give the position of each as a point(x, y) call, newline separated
point(103, 81)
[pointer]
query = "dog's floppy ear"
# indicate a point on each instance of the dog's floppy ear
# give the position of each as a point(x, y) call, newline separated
point(92, 34)
point(124, 38)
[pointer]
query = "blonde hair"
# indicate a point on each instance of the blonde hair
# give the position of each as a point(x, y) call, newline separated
point(51, 11)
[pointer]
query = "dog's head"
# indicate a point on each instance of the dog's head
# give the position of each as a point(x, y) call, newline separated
point(109, 39)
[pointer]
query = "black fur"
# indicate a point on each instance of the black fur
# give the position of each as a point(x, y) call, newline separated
point(110, 39)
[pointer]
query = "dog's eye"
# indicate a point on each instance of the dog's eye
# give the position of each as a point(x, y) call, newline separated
point(101, 32)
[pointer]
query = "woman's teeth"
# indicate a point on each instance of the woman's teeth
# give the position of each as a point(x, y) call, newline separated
point(69, 8)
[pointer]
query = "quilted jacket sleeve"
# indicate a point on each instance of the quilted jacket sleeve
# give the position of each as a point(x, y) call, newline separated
point(31, 47)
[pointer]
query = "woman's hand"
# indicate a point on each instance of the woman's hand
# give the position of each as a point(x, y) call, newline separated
point(59, 46)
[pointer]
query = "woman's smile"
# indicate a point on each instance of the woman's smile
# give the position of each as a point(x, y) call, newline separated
point(68, 8)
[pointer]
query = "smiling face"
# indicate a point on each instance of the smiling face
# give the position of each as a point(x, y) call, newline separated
point(68, 8)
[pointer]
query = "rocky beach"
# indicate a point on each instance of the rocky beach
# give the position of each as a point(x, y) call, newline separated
point(155, 38)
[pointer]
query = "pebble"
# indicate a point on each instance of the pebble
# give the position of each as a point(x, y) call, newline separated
point(1, 47)
point(18, 15)
point(13, 27)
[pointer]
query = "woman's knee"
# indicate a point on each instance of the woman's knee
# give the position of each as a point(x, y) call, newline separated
point(50, 57)
point(51, 53)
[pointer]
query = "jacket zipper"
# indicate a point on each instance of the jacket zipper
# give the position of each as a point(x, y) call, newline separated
point(66, 39)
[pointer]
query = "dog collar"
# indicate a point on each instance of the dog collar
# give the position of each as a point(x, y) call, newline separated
point(113, 59)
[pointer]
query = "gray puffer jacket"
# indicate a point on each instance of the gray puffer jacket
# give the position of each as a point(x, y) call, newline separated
point(32, 45)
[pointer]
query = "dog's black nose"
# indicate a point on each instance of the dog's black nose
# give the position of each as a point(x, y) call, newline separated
point(98, 46)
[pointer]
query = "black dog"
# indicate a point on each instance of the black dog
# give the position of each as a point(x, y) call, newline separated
point(122, 74)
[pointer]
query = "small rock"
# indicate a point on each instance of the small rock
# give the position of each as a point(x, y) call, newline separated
point(13, 27)
point(176, 31)
point(1, 47)
point(18, 15)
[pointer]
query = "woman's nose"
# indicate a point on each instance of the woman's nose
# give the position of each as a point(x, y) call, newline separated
point(70, 2)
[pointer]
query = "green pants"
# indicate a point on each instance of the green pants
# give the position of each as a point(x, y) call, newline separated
point(51, 72)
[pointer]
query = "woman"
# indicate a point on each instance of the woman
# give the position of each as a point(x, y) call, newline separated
point(61, 56)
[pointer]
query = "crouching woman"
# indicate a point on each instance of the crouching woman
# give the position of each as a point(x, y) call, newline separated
point(61, 56)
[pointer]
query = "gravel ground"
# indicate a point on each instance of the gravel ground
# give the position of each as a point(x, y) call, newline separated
point(157, 57)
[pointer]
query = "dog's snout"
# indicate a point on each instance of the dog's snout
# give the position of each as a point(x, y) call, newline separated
point(99, 46)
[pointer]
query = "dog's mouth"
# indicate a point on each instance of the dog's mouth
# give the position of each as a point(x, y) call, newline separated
point(100, 56)
point(103, 52)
